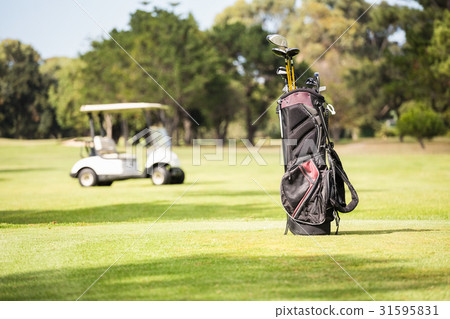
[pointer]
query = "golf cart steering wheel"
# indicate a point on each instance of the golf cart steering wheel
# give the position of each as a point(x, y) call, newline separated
point(85, 151)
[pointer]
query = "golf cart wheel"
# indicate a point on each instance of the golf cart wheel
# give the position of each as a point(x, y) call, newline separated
point(87, 177)
point(160, 176)
point(177, 175)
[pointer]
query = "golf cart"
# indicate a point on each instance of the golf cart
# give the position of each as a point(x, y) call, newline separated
point(149, 154)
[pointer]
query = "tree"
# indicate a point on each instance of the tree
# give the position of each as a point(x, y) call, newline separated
point(438, 51)
point(24, 109)
point(226, 98)
point(65, 93)
point(176, 55)
point(271, 15)
point(386, 73)
point(320, 30)
point(249, 61)
point(423, 57)
point(419, 120)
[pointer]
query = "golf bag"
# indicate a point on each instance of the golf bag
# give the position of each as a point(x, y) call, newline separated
point(312, 191)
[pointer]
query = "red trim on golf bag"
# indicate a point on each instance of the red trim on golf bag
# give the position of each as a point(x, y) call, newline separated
point(310, 171)
point(298, 97)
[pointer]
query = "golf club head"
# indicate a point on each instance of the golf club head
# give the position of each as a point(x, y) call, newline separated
point(292, 52)
point(277, 40)
point(281, 71)
point(311, 82)
point(316, 75)
point(279, 52)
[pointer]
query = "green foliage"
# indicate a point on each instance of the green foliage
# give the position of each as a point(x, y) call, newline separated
point(387, 74)
point(226, 98)
point(249, 61)
point(184, 71)
point(387, 131)
point(423, 65)
point(316, 26)
point(24, 110)
point(268, 13)
point(65, 93)
point(440, 46)
point(419, 120)
point(376, 78)
point(438, 51)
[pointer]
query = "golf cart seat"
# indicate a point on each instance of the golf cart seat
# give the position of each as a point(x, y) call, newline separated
point(106, 148)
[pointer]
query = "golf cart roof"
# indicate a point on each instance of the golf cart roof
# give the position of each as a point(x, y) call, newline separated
point(120, 107)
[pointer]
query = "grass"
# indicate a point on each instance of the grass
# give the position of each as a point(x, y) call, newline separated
point(222, 240)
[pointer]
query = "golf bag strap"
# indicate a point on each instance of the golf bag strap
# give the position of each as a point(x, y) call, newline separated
point(336, 166)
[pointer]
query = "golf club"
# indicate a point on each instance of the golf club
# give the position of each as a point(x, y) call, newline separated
point(284, 54)
point(311, 82)
point(291, 53)
point(283, 51)
point(316, 74)
point(277, 40)
point(283, 73)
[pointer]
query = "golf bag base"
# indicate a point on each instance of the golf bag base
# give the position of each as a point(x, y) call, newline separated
point(303, 229)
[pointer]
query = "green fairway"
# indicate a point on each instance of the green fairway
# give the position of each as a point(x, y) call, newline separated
point(223, 239)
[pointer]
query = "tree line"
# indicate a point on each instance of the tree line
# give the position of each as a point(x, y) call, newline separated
point(224, 77)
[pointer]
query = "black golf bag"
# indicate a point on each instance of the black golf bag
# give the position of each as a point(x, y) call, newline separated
point(312, 191)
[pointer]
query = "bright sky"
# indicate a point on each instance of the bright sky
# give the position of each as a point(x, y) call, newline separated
point(61, 28)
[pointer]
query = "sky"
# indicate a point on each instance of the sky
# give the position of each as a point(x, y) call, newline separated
point(62, 28)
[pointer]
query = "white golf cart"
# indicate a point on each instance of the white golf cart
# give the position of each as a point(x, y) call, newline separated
point(151, 154)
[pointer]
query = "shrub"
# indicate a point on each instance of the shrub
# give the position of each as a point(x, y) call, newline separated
point(417, 119)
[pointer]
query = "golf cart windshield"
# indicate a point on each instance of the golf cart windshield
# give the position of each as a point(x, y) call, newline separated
point(156, 136)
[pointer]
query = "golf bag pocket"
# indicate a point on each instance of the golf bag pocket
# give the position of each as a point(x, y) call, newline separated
point(300, 127)
point(305, 192)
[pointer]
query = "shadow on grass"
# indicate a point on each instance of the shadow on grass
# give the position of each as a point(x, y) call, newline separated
point(139, 212)
point(234, 194)
point(22, 170)
point(383, 231)
point(221, 277)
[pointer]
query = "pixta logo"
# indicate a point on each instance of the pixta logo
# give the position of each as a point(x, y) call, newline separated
point(205, 150)
point(150, 147)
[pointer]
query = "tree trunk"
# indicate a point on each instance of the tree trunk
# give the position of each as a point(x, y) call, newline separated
point(173, 129)
point(125, 131)
point(421, 142)
point(224, 131)
point(109, 126)
point(355, 134)
point(187, 125)
point(251, 129)
point(221, 130)
point(336, 133)
point(165, 121)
